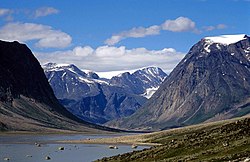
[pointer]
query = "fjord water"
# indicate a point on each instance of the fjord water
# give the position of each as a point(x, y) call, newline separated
point(22, 148)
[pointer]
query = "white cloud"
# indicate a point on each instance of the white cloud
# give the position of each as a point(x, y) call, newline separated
point(133, 33)
point(181, 24)
point(216, 27)
point(45, 36)
point(83, 51)
point(109, 58)
point(107, 51)
point(45, 11)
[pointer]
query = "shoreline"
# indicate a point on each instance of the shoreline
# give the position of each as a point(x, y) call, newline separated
point(106, 143)
point(58, 133)
point(136, 139)
point(91, 138)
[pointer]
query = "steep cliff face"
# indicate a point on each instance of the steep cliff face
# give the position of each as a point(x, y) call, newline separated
point(211, 83)
point(27, 101)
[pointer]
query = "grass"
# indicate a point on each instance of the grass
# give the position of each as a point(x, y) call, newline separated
point(219, 141)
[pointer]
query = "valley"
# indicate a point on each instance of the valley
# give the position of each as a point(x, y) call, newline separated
point(125, 81)
point(209, 87)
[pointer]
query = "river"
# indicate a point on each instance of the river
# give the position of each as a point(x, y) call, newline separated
point(22, 148)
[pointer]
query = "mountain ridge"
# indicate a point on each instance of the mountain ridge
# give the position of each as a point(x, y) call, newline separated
point(99, 100)
point(210, 83)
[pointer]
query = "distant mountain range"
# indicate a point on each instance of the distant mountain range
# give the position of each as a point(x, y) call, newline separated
point(99, 100)
point(211, 83)
point(27, 102)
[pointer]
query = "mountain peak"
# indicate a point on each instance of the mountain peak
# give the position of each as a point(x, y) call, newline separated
point(91, 74)
point(226, 39)
point(141, 81)
point(52, 65)
point(150, 70)
point(63, 67)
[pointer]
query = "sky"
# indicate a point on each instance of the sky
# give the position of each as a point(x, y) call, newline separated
point(118, 35)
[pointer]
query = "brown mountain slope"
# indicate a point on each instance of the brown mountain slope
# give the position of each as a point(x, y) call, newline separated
point(211, 83)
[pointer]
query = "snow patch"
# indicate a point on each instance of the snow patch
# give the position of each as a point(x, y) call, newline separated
point(207, 48)
point(62, 65)
point(67, 88)
point(226, 39)
point(51, 77)
point(149, 92)
point(86, 80)
point(217, 45)
point(64, 74)
point(101, 81)
point(110, 74)
point(246, 51)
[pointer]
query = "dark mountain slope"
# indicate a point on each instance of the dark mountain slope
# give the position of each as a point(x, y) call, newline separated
point(27, 102)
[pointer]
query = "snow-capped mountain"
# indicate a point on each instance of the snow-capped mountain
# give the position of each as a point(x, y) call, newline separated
point(69, 82)
point(211, 83)
point(99, 100)
point(143, 81)
point(226, 39)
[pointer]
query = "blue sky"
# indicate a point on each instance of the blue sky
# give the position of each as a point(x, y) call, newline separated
point(119, 34)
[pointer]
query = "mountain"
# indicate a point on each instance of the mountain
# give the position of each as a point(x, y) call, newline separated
point(141, 81)
point(96, 99)
point(27, 102)
point(211, 83)
point(70, 82)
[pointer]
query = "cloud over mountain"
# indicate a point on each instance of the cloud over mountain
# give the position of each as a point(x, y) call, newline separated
point(110, 58)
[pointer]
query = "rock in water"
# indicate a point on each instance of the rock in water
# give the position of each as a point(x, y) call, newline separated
point(60, 148)
point(47, 158)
